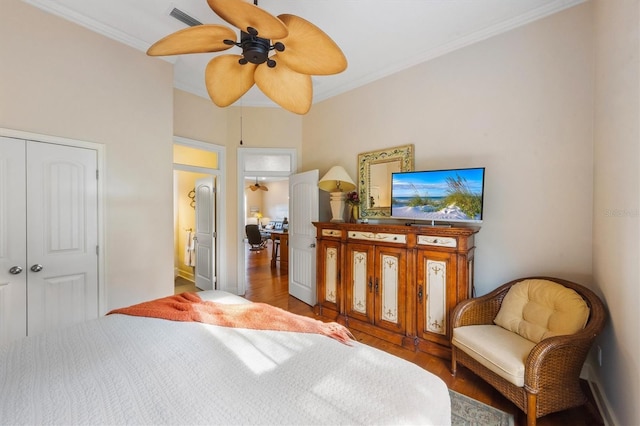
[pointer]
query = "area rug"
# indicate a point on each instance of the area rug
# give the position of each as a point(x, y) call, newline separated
point(467, 411)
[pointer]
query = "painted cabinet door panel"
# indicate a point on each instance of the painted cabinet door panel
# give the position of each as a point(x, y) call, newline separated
point(329, 265)
point(436, 280)
point(359, 282)
point(389, 288)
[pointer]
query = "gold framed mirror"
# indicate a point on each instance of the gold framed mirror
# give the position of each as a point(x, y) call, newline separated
point(374, 178)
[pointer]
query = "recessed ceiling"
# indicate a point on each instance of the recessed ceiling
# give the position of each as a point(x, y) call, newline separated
point(378, 37)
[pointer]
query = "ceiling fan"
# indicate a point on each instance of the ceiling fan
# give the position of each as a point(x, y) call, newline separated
point(257, 186)
point(279, 54)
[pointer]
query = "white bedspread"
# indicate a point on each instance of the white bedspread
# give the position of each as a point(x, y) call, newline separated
point(131, 370)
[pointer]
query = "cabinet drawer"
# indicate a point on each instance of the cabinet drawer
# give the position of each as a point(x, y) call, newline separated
point(436, 241)
point(378, 236)
point(331, 233)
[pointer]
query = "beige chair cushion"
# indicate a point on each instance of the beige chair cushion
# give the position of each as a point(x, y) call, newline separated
point(500, 350)
point(537, 309)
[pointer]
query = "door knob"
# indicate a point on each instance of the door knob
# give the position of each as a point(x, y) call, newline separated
point(312, 245)
point(36, 268)
point(15, 270)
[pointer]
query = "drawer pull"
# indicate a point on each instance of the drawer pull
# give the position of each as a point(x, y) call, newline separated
point(331, 233)
point(437, 241)
point(372, 236)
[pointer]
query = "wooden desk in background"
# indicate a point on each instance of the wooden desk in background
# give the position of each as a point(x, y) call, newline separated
point(283, 238)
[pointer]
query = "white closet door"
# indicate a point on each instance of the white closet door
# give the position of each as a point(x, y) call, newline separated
point(13, 248)
point(61, 236)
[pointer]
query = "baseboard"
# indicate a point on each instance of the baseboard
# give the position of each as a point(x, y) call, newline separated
point(186, 275)
point(602, 402)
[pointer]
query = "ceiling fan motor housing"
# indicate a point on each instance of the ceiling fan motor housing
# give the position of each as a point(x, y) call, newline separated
point(254, 49)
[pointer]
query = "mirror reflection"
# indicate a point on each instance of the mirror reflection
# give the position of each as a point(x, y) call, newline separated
point(374, 178)
point(380, 183)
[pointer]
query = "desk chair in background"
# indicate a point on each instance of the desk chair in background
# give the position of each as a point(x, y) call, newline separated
point(254, 237)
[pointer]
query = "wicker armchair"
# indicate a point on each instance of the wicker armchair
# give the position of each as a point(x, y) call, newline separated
point(552, 368)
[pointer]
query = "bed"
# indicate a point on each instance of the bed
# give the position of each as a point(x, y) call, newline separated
point(122, 369)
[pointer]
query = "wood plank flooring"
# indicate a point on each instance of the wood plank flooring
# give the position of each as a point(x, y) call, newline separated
point(270, 285)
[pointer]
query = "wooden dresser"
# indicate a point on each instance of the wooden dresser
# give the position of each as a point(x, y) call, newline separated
point(395, 282)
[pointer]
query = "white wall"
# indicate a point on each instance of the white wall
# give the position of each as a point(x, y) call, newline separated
point(616, 208)
point(272, 204)
point(276, 200)
point(62, 80)
point(253, 200)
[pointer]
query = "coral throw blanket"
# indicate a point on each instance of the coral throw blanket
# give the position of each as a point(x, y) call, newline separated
point(257, 316)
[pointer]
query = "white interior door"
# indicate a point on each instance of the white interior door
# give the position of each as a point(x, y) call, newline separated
point(62, 236)
point(13, 244)
point(205, 233)
point(303, 209)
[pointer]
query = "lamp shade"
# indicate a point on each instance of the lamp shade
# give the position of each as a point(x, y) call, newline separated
point(336, 180)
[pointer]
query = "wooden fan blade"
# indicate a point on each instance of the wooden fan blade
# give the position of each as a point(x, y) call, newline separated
point(291, 90)
point(264, 188)
point(227, 80)
point(198, 39)
point(309, 50)
point(253, 188)
point(242, 15)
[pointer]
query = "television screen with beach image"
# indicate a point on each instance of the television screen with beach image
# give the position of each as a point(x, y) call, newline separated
point(452, 195)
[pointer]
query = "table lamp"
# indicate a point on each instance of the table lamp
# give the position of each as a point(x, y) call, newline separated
point(337, 182)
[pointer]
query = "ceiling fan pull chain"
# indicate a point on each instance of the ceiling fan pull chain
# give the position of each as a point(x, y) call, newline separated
point(240, 123)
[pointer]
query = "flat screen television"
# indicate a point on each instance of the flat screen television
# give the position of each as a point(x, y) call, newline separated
point(452, 195)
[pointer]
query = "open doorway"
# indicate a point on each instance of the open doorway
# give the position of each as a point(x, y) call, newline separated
point(263, 166)
point(194, 225)
point(198, 215)
point(267, 208)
